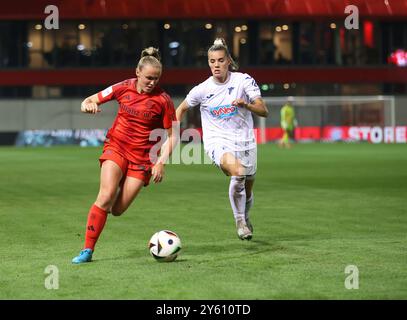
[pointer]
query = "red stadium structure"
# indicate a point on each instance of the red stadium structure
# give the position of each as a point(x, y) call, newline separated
point(255, 10)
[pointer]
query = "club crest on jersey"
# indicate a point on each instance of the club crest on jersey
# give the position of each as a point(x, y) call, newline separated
point(225, 111)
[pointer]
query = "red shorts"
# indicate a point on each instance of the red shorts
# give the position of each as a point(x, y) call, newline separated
point(129, 169)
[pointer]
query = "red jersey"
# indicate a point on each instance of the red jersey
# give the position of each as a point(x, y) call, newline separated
point(138, 115)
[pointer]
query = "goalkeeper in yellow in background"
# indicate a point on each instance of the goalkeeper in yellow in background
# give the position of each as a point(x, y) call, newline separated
point(288, 123)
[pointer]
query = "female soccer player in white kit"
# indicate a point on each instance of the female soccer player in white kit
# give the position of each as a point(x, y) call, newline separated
point(227, 100)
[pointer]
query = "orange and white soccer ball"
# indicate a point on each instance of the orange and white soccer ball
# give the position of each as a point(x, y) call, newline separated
point(165, 245)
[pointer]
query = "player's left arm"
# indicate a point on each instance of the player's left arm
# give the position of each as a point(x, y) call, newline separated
point(169, 123)
point(257, 106)
point(166, 150)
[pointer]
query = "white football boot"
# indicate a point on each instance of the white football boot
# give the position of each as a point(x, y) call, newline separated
point(243, 231)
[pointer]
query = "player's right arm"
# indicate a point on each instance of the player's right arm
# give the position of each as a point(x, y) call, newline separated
point(91, 104)
point(193, 98)
point(181, 110)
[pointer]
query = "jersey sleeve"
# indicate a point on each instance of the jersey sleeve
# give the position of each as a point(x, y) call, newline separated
point(168, 112)
point(251, 88)
point(111, 92)
point(194, 97)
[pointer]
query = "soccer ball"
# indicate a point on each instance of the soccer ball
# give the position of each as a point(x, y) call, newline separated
point(164, 245)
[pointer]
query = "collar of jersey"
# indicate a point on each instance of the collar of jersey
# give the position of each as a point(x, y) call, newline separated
point(222, 84)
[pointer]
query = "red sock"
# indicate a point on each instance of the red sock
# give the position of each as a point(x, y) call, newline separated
point(96, 221)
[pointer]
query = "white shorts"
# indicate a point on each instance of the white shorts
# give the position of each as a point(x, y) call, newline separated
point(248, 158)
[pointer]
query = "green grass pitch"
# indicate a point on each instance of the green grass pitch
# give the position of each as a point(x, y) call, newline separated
point(318, 208)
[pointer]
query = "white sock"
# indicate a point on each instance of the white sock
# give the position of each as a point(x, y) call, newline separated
point(237, 196)
point(249, 204)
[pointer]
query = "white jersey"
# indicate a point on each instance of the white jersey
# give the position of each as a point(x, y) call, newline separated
point(223, 123)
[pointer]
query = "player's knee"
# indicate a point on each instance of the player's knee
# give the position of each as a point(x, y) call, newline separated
point(232, 169)
point(105, 199)
point(237, 171)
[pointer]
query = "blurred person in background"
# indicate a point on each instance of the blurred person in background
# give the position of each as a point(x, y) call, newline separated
point(288, 123)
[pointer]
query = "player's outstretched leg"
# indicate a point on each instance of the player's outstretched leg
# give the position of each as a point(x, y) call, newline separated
point(111, 175)
point(96, 222)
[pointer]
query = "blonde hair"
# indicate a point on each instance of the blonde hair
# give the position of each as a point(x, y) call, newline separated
point(220, 44)
point(150, 56)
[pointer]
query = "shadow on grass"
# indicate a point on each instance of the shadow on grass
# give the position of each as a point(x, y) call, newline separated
point(236, 250)
point(208, 251)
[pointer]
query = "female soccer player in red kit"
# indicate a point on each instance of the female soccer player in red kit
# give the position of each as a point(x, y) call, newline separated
point(126, 165)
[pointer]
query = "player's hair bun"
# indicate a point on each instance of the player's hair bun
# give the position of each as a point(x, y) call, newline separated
point(220, 42)
point(151, 52)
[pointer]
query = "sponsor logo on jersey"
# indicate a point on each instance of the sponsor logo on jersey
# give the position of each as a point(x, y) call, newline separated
point(230, 89)
point(141, 113)
point(225, 111)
